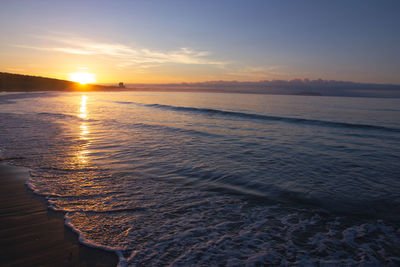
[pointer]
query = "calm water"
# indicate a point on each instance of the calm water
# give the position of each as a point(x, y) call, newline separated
point(206, 179)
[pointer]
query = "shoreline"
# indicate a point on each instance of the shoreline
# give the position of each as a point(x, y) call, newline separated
point(31, 234)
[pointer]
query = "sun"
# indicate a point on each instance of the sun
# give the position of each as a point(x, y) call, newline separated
point(82, 77)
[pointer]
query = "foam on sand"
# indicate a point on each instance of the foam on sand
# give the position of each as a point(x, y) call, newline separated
point(33, 235)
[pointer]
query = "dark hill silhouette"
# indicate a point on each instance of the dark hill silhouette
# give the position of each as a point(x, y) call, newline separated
point(27, 83)
point(17, 82)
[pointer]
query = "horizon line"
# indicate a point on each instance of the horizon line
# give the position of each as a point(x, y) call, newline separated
point(214, 81)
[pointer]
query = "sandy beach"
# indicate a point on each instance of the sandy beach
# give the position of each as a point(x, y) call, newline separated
point(32, 235)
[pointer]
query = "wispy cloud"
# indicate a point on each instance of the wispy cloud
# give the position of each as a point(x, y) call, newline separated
point(124, 54)
point(146, 60)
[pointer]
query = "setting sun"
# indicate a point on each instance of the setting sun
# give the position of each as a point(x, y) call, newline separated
point(82, 77)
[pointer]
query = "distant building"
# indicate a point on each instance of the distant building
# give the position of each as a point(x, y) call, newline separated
point(121, 85)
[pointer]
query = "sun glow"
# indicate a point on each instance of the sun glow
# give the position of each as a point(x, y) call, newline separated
point(82, 77)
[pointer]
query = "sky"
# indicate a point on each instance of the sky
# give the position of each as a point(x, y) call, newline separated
point(193, 41)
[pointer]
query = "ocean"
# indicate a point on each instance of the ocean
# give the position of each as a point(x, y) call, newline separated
point(180, 179)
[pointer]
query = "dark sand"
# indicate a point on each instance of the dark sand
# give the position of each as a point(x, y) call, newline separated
point(32, 235)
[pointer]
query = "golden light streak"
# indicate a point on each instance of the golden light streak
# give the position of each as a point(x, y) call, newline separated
point(84, 131)
point(83, 109)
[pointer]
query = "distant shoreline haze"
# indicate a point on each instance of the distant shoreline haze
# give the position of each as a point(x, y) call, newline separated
point(18, 82)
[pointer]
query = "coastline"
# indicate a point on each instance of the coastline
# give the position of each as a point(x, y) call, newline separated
point(31, 234)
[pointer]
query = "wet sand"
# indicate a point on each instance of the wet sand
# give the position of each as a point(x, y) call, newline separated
point(32, 235)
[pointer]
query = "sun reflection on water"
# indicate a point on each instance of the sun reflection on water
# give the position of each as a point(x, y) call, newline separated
point(82, 156)
point(84, 131)
point(83, 109)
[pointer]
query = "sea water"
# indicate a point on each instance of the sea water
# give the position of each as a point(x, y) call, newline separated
point(182, 179)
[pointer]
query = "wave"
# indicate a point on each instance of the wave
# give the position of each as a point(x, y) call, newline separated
point(13, 97)
point(63, 116)
point(211, 112)
point(172, 129)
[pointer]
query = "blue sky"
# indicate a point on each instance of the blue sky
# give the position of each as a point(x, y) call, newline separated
point(170, 41)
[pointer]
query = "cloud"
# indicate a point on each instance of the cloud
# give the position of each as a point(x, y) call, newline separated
point(124, 54)
point(146, 60)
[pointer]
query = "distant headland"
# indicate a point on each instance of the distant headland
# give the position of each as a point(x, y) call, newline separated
point(305, 87)
point(27, 83)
